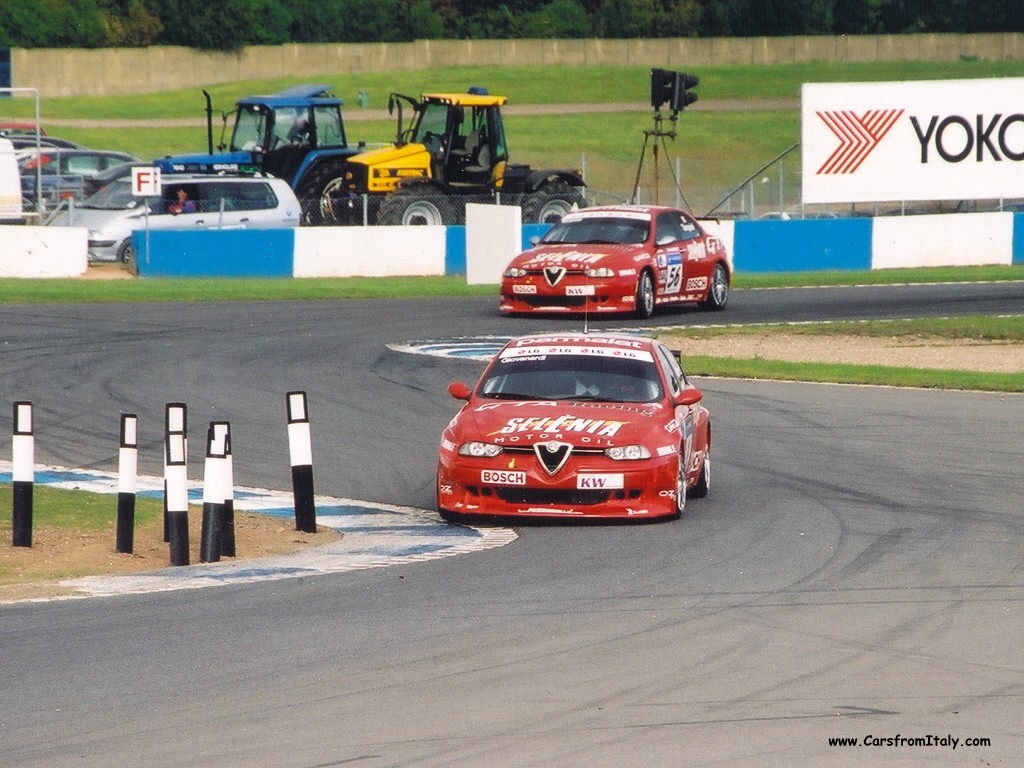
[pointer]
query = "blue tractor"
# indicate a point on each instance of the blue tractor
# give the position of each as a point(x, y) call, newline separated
point(296, 134)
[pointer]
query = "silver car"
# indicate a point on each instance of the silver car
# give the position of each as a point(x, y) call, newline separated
point(211, 202)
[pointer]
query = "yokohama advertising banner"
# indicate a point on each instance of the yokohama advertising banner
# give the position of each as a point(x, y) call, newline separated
point(923, 140)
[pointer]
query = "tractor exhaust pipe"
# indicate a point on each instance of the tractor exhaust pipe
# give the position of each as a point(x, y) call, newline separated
point(209, 122)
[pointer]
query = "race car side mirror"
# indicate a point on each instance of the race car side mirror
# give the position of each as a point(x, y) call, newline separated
point(690, 396)
point(458, 390)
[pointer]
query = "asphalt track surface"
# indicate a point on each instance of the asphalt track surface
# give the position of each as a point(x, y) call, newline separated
point(855, 571)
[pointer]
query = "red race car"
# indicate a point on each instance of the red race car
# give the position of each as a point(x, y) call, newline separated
point(576, 426)
point(623, 258)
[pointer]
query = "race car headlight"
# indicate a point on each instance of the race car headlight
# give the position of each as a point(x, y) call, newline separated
point(479, 450)
point(627, 453)
point(600, 272)
point(515, 272)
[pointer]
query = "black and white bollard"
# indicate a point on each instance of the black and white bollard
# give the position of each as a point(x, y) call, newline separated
point(23, 474)
point(214, 478)
point(227, 519)
point(127, 474)
point(176, 482)
point(300, 449)
point(175, 422)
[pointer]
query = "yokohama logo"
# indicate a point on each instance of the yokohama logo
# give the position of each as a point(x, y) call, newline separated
point(858, 136)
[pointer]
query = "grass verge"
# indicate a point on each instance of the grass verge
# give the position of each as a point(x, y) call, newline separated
point(40, 291)
point(74, 534)
point(978, 329)
point(836, 373)
point(64, 521)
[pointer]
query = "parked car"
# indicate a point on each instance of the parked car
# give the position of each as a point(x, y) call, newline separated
point(572, 426)
point(97, 181)
point(20, 128)
point(215, 202)
point(23, 141)
point(59, 173)
point(623, 258)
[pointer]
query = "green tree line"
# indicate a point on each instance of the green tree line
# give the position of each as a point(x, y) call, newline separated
point(231, 24)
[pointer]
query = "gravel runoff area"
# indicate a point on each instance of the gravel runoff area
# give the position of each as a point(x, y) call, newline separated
point(896, 351)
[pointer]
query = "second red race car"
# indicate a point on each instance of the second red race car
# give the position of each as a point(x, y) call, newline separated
point(625, 258)
point(576, 426)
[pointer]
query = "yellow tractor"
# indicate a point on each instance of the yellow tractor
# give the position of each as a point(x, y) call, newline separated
point(452, 153)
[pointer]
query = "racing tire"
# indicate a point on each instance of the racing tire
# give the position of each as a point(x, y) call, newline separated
point(126, 255)
point(417, 207)
point(718, 290)
point(124, 250)
point(681, 486)
point(448, 517)
point(551, 202)
point(703, 484)
point(644, 295)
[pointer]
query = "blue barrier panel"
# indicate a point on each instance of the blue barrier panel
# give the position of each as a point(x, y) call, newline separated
point(1018, 238)
point(802, 245)
point(455, 251)
point(216, 253)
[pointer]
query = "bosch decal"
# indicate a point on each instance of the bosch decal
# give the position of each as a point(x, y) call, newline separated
point(502, 477)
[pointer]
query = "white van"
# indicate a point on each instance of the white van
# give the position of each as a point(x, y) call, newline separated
point(10, 185)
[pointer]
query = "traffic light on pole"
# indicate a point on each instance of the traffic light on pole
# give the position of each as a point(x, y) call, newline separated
point(681, 93)
point(673, 88)
point(661, 86)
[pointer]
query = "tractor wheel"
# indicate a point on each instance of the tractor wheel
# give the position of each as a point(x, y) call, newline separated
point(551, 202)
point(418, 206)
point(320, 195)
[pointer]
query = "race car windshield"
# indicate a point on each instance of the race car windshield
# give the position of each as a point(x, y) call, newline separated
point(572, 377)
point(616, 230)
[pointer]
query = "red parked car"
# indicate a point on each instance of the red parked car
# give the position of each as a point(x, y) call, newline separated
point(576, 426)
point(623, 258)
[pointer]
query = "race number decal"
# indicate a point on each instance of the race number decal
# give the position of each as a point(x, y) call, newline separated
point(673, 273)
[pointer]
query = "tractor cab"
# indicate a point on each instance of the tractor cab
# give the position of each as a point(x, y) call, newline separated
point(280, 134)
point(456, 140)
point(281, 130)
point(464, 135)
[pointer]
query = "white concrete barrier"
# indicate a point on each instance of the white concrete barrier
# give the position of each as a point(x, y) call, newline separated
point(369, 251)
point(494, 236)
point(942, 240)
point(43, 251)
